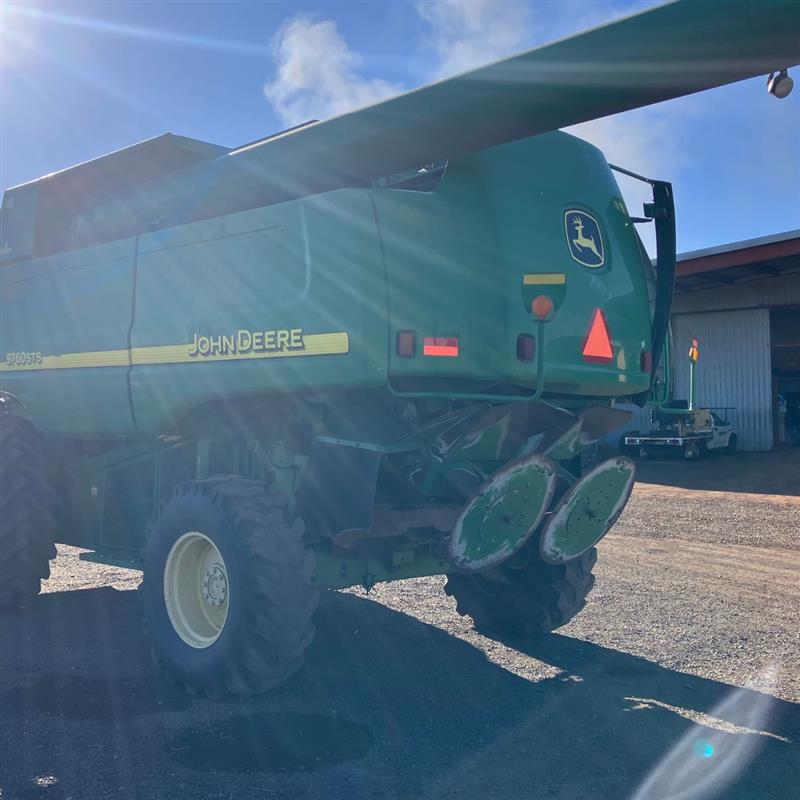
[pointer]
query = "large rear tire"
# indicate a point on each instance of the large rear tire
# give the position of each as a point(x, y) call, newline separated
point(27, 518)
point(227, 590)
point(524, 597)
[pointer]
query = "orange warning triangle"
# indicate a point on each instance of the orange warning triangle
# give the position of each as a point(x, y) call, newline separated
point(597, 346)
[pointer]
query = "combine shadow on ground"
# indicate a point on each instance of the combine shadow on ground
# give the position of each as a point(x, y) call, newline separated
point(757, 473)
point(387, 706)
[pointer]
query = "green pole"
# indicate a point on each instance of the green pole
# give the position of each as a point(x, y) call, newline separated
point(694, 352)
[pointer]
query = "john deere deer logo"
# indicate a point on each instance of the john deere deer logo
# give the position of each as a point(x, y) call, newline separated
point(584, 238)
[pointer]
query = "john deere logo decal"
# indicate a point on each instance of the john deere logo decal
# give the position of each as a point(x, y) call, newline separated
point(584, 238)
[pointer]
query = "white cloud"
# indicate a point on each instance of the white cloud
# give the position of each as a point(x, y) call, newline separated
point(469, 33)
point(464, 35)
point(318, 75)
point(643, 141)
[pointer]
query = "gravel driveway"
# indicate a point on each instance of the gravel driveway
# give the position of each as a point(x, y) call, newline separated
point(680, 679)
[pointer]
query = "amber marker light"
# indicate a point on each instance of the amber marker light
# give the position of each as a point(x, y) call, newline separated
point(542, 307)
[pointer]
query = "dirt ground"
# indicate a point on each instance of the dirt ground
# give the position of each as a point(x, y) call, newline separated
point(776, 473)
point(681, 679)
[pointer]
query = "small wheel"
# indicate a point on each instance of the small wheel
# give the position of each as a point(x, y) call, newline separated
point(526, 596)
point(227, 591)
point(732, 443)
point(27, 512)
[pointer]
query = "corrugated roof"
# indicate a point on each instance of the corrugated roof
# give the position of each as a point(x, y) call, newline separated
point(742, 245)
point(751, 259)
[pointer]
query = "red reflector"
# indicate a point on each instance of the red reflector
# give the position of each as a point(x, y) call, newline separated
point(542, 306)
point(646, 361)
point(440, 346)
point(406, 344)
point(526, 347)
point(597, 346)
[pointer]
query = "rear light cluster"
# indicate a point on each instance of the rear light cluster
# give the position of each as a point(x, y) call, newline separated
point(597, 345)
point(446, 346)
point(440, 346)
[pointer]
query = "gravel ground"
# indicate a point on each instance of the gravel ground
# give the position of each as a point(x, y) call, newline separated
point(679, 680)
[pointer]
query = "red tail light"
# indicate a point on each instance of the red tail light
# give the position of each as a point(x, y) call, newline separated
point(440, 346)
point(646, 362)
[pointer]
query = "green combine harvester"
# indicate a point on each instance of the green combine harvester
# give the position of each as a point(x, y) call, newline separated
point(365, 349)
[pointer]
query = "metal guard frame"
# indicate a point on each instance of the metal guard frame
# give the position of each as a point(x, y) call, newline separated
point(662, 212)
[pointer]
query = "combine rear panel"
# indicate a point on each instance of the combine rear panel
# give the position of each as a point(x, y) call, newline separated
point(465, 261)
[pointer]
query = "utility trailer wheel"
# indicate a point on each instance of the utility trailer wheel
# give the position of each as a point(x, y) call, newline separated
point(526, 595)
point(227, 589)
point(731, 444)
point(27, 512)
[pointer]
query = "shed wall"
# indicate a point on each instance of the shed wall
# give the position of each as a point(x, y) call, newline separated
point(734, 368)
point(783, 290)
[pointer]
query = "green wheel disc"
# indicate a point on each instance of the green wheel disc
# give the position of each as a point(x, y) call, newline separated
point(503, 514)
point(588, 511)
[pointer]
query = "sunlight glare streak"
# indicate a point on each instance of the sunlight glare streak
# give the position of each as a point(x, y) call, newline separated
point(17, 35)
point(707, 760)
point(89, 78)
point(148, 34)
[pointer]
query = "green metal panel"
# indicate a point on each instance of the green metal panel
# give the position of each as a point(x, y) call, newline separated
point(457, 259)
point(313, 266)
point(77, 302)
point(312, 271)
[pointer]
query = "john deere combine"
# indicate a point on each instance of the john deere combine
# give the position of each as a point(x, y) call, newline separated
point(366, 349)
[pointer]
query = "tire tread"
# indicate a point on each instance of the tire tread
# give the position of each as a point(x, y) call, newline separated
point(27, 518)
point(281, 599)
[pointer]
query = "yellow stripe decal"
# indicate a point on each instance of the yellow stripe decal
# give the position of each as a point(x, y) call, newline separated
point(314, 344)
point(544, 279)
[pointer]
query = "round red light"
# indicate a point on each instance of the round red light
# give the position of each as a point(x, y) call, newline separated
point(542, 306)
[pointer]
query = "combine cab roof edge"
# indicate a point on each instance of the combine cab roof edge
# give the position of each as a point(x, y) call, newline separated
point(163, 153)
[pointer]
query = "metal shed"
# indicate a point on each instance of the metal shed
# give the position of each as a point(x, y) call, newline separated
point(742, 301)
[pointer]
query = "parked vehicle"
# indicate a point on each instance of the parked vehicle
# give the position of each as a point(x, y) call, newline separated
point(680, 431)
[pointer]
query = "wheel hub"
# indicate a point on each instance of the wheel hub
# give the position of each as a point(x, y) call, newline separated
point(215, 586)
point(196, 589)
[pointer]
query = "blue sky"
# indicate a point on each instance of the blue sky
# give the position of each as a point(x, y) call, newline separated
point(80, 79)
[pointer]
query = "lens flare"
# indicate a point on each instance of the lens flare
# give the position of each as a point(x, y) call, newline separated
point(716, 750)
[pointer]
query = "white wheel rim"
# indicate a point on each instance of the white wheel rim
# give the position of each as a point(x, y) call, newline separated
point(196, 590)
